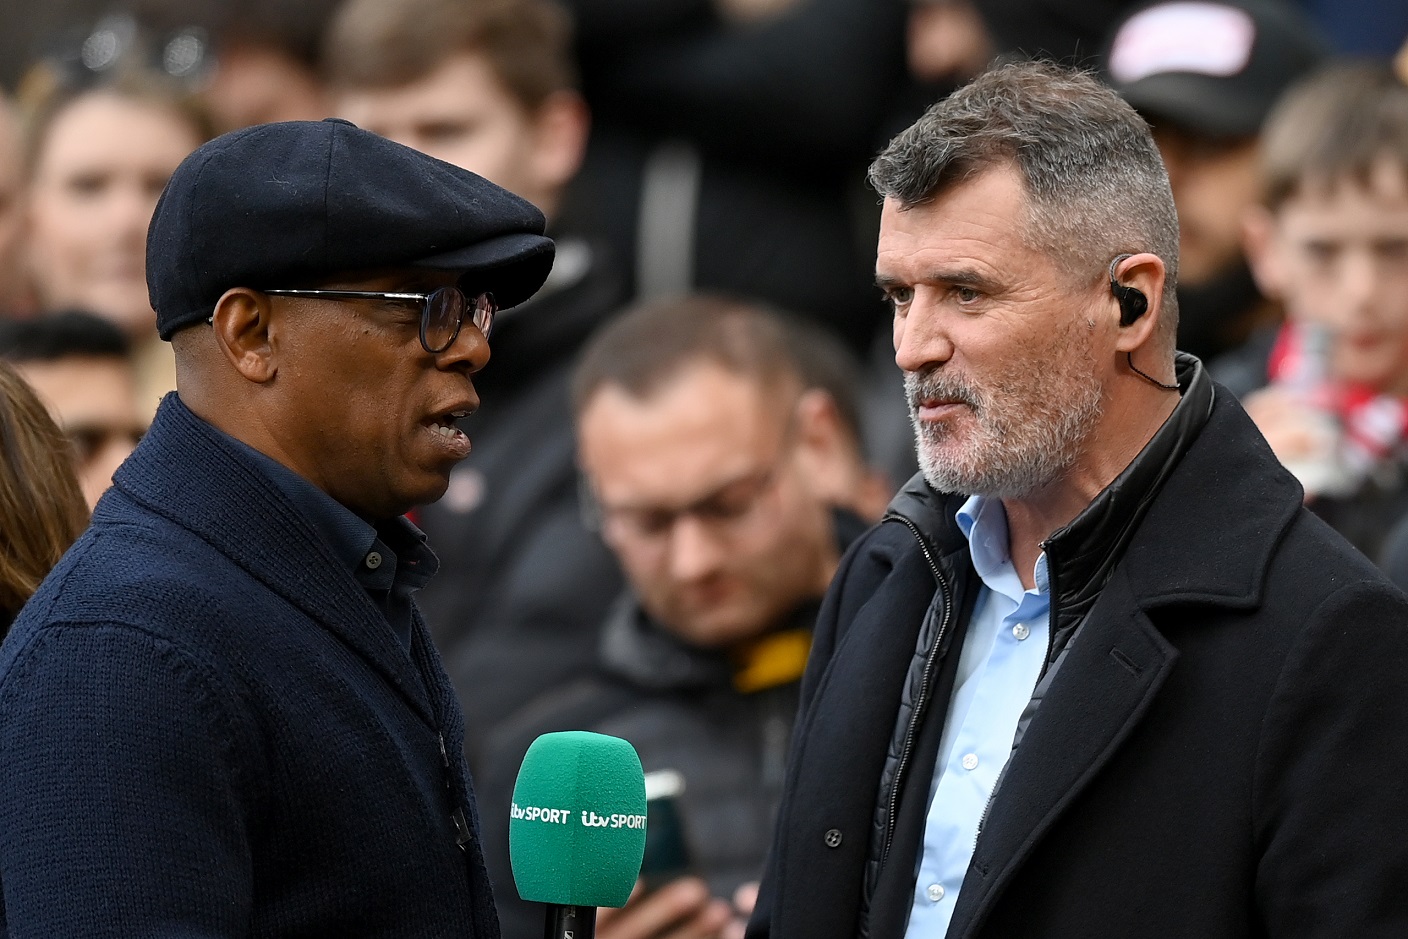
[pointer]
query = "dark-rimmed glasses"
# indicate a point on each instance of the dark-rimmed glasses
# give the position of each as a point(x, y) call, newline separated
point(725, 511)
point(442, 310)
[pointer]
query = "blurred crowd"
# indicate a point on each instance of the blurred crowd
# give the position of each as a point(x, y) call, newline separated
point(682, 432)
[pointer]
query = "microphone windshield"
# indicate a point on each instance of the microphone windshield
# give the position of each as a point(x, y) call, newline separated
point(576, 830)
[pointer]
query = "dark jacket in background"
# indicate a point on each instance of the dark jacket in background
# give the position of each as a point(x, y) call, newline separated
point(731, 156)
point(1068, 31)
point(523, 586)
point(1219, 319)
point(1215, 753)
point(679, 707)
point(208, 728)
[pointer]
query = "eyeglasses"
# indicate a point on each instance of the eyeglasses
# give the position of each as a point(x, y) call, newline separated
point(441, 311)
point(723, 513)
point(119, 44)
point(726, 512)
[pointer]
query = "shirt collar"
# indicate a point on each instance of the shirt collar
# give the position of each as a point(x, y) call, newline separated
point(405, 556)
point(983, 522)
point(350, 536)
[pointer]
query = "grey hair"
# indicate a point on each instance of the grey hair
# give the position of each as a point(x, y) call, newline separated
point(1096, 186)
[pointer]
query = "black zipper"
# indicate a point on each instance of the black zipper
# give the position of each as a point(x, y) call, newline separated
point(987, 807)
point(915, 713)
point(1050, 614)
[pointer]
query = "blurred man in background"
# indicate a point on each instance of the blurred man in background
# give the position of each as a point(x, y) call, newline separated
point(721, 448)
point(1097, 672)
point(1205, 75)
point(489, 86)
point(81, 366)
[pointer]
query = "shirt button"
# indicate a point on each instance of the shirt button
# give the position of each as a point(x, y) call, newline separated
point(833, 838)
point(1021, 631)
point(373, 560)
point(970, 761)
point(935, 893)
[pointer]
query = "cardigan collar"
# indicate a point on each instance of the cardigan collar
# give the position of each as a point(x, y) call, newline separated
point(198, 478)
point(1207, 441)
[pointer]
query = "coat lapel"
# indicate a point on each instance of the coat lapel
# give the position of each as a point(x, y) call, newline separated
point(195, 477)
point(1118, 660)
point(1111, 673)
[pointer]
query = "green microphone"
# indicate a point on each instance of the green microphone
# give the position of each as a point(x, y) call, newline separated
point(576, 831)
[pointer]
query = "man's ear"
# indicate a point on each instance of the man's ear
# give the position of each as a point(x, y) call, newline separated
point(1260, 247)
point(1144, 273)
point(830, 455)
point(560, 127)
point(242, 319)
point(833, 462)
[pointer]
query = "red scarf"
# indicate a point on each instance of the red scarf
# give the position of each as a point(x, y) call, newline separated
point(1374, 425)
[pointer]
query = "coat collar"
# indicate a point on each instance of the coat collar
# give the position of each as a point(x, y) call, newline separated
point(197, 478)
point(1210, 537)
point(1207, 468)
point(1207, 538)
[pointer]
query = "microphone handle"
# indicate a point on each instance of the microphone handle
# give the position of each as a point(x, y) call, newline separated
point(570, 922)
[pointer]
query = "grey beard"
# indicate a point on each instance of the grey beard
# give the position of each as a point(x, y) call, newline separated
point(1012, 455)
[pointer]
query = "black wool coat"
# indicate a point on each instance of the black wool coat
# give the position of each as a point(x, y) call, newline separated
point(1220, 753)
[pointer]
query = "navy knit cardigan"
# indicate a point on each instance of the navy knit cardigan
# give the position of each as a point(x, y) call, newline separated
point(208, 729)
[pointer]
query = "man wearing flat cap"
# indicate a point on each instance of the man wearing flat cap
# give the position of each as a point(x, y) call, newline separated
point(221, 715)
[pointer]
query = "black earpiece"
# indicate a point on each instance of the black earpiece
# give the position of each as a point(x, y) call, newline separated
point(1133, 303)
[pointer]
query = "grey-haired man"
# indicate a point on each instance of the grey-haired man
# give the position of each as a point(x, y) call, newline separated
point(1099, 672)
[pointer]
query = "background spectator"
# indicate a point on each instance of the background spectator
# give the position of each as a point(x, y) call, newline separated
point(1205, 76)
point(722, 449)
point(265, 62)
point(12, 298)
point(41, 508)
point(97, 158)
point(253, 60)
point(489, 86)
point(728, 142)
point(1332, 243)
point(948, 42)
point(81, 367)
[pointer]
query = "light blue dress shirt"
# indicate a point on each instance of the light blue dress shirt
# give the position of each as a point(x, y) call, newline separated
point(997, 672)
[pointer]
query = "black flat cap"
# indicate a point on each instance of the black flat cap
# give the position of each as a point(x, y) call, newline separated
point(274, 204)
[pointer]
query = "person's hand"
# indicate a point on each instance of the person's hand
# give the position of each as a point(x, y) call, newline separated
point(681, 909)
point(1294, 431)
point(744, 899)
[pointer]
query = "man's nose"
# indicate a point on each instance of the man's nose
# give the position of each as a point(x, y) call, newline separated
point(694, 549)
point(468, 353)
point(920, 341)
point(1360, 281)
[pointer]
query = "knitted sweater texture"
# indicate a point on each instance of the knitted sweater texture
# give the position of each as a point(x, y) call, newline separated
point(208, 729)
